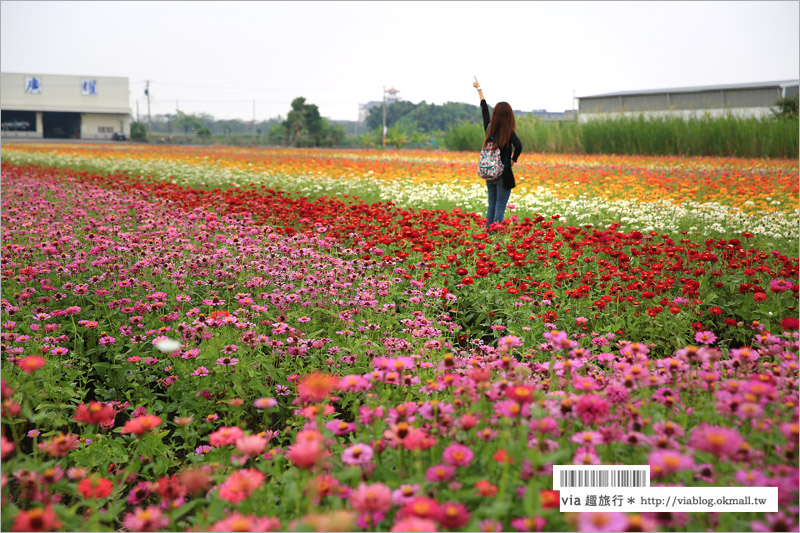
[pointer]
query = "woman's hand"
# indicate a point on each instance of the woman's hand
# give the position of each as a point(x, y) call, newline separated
point(476, 84)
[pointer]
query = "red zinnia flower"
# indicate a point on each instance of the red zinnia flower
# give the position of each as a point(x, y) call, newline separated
point(502, 456)
point(486, 489)
point(36, 520)
point(95, 487)
point(94, 413)
point(790, 323)
point(549, 498)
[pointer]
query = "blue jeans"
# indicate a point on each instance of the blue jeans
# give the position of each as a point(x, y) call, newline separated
point(498, 198)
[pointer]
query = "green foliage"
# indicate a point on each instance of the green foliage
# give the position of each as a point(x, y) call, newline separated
point(788, 107)
point(305, 127)
point(204, 132)
point(727, 136)
point(138, 131)
point(465, 136)
point(426, 118)
point(188, 121)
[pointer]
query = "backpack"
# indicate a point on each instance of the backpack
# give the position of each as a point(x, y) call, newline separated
point(490, 166)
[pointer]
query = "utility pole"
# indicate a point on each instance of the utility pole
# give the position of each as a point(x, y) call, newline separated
point(383, 143)
point(149, 128)
point(254, 118)
point(137, 110)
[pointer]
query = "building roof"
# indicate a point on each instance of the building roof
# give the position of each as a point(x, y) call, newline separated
point(703, 88)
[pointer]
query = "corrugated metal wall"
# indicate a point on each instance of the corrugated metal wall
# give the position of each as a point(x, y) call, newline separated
point(696, 101)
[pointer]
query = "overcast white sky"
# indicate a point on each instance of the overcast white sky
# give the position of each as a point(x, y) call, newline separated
point(218, 57)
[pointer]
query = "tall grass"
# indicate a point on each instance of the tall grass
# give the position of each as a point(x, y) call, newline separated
point(698, 136)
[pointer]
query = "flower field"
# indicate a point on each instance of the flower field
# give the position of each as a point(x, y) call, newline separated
point(221, 339)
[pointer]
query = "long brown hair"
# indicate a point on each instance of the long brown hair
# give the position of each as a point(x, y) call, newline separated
point(502, 124)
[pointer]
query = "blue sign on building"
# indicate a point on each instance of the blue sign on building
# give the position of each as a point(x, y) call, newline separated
point(33, 85)
point(89, 87)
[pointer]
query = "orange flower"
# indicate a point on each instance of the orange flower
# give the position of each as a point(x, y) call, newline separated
point(485, 489)
point(314, 387)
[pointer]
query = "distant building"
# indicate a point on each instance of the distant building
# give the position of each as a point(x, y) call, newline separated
point(543, 114)
point(743, 100)
point(391, 98)
point(57, 106)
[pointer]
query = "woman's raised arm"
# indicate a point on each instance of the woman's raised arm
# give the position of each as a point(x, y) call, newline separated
point(478, 86)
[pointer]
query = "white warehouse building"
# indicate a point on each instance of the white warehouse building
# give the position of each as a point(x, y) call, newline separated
point(741, 100)
point(68, 107)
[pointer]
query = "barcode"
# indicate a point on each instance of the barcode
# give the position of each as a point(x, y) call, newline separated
point(600, 477)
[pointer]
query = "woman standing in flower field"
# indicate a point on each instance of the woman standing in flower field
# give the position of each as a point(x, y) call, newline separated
point(500, 130)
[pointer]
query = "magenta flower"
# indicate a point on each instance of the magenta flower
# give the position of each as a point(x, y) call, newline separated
point(533, 523)
point(665, 462)
point(457, 455)
point(719, 440)
point(592, 409)
point(586, 455)
point(441, 472)
point(705, 337)
point(200, 371)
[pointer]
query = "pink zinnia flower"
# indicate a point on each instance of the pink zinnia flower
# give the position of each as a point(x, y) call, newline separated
point(141, 424)
point(251, 445)
point(780, 285)
point(404, 494)
point(414, 523)
point(587, 438)
point(533, 523)
point(591, 522)
point(665, 462)
point(592, 409)
point(372, 498)
point(354, 383)
point(438, 473)
point(457, 455)
point(150, 519)
point(454, 515)
point(239, 522)
point(705, 337)
point(422, 508)
point(240, 485)
point(719, 440)
point(6, 447)
point(357, 454)
point(586, 455)
point(265, 403)
point(307, 450)
point(225, 435)
point(751, 478)
point(340, 427)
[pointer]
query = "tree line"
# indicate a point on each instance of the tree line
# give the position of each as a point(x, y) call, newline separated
point(303, 126)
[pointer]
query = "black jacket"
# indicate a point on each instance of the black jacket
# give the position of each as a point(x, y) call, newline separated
point(506, 154)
